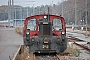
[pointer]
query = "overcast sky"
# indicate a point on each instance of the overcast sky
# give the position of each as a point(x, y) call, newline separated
point(28, 3)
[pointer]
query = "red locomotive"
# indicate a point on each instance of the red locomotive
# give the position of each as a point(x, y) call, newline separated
point(45, 33)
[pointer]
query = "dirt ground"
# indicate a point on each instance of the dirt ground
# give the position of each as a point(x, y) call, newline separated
point(71, 53)
point(26, 55)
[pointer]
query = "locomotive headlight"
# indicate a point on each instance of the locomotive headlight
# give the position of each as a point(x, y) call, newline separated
point(63, 32)
point(28, 30)
point(32, 39)
point(27, 33)
point(45, 17)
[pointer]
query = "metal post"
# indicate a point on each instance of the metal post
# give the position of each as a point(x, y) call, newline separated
point(33, 9)
point(52, 8)
point(21, 16)
point(86, 17)
point(39, 10)
point(15, 17)
point(13, 12)
point(62, 8)
point(75, 14)
point(27, 11)
point(83, 23)
point(80, 16)
point(9, 12)
point(68, 20)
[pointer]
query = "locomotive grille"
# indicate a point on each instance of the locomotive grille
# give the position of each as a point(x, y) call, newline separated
point(45, 29)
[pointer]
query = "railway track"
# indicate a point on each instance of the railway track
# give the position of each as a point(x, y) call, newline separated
point(50, 56)
point(83, 46)
point(31, 56)
point(47, 57)
point(77, 42)
point(56, 57)
point(35, 56)
point(53, 56)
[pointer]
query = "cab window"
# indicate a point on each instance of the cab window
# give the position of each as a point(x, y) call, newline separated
point(31, 24)
point(57, 24)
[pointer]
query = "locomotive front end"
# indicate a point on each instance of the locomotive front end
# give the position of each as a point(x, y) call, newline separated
point(48, 36)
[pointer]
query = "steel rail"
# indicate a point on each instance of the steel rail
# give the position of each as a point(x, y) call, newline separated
point(34, 57)
point(84, 47)
point(58, 56)
point(16, 53)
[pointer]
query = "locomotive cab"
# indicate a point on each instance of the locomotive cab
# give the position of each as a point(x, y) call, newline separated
point(48, 34)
